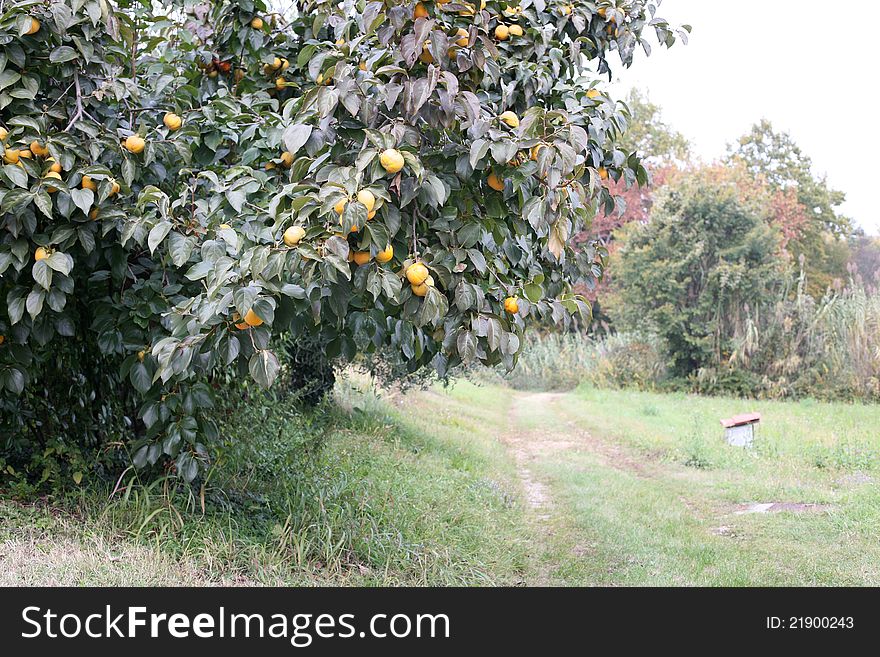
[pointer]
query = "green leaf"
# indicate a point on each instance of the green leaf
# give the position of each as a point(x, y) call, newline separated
point(129, 170)
point(181, 248)
point(15, 199)
point(62, 54)
point(533, 212)
point(264, 366)
point(15, 308)
point(57, 300)
point(187, 466)
point(236, 198)
point(465, 297)
point(14, 381)
point(479, 148)
point(467, 345)
point(140, 456)
point(200, 270)
point(140, 377)
point(374, 283)
point(534, 292)
point(83, 199)
point(503, 151)
point(34, 303)
point(265, 309)
point(493, 333)
point(16, 175)
point(229, 236)
point(43, 201)
point(510, 343)
point(60, 262)
point(8, 77)
point(391, 284)
point(244, 298)
point(157, 234)
point(42, 274)
point(233, 348)
point(295, 137)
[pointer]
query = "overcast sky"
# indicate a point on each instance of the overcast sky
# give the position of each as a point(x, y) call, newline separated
point(783, 60)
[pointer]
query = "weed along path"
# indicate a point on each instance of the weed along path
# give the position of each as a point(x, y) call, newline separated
point(625, 488)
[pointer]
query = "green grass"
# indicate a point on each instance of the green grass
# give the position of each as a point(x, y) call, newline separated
point(482, 485)
point(791, 435)
point(391, 497)
point(655, 492)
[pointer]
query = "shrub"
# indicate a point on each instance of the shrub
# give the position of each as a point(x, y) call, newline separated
point(799, 347)
point(689, 274)
point(726, 380)
point(552, 361)
point(624, 360)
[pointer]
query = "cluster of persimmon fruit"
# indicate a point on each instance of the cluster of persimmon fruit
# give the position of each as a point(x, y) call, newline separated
point(392, 160)
point(52, 169)
point(219, 66)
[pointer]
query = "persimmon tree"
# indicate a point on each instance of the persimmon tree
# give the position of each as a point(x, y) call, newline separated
point(182, 189)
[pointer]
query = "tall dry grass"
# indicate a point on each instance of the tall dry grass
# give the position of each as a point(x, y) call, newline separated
point(803, 347)
point(794, 347)
point(553, 361)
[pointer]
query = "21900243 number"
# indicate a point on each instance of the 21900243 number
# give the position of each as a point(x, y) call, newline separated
point(810, 623)
point(820, 623)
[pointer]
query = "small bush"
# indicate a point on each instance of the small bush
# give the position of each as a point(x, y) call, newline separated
point(626, 360)
point(552, 362)
point(726, 381)
point(649, 410)
point(696, 453)
point(800, 347)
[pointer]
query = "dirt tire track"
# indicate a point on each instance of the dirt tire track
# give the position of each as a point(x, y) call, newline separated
point(526, 446)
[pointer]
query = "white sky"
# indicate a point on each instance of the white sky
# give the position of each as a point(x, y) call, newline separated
point(809, 66)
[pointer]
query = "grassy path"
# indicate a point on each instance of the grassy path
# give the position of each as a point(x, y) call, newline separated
point(482, 485)
point(626, 488)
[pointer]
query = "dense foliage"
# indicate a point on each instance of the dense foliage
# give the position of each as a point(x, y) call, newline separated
point(690, 274)
point(183, 189)
point(821, 230)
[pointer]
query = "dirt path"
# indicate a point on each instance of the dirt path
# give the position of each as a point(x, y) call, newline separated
point(527, 445)
point(558, 433)
point(540, 428)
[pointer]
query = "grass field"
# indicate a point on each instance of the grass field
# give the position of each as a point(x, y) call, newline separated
point(481, 485)
point(648, 493)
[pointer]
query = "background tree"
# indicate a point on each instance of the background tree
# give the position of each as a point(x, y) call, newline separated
point(184, 188)
point(865, 259)
point(775, 157)
point(650, 136)
point(691, 273)
point(662, 149)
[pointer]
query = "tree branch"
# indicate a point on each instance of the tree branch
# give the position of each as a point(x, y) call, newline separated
point(79, 104)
